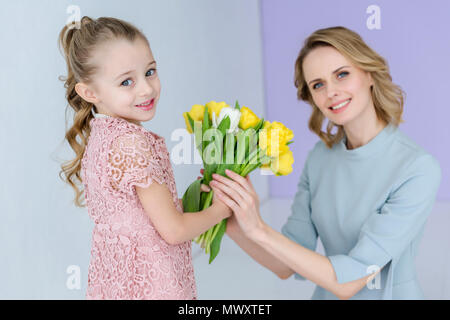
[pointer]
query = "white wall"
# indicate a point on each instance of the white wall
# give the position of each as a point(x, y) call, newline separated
point(206, 50)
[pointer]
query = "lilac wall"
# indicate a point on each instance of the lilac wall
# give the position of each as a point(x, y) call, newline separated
point(414, 38)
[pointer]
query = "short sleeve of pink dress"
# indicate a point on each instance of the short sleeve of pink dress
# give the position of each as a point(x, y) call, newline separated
point(129, 258)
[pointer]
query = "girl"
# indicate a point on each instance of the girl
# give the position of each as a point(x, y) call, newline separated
point(141, 243)
point(366, 190)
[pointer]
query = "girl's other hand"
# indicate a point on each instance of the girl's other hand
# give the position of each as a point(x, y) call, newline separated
point(225, 211)
point(203, 187)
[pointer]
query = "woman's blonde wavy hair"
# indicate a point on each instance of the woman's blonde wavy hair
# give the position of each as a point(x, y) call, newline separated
point(79, 41)
point(388, 98)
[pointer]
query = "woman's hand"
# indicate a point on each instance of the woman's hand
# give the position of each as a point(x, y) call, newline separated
point(239, 194)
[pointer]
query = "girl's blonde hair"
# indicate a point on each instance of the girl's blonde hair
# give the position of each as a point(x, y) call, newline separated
point(387, 97)
point(79, 43)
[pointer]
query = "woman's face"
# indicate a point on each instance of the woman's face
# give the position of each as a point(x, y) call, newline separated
point(126, 78)
point(333, 80)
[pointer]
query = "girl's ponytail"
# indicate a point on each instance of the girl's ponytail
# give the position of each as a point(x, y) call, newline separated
point(78, 43)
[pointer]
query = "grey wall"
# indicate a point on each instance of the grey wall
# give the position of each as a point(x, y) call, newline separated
point(206, 50)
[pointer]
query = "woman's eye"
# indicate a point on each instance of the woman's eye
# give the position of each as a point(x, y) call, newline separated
point(314, 86)
point(343, 72)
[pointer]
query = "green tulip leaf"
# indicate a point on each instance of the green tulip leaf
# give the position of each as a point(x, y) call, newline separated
point(224, 125)
point(237, 106)
point(191, 197)
point(191, 121)
point(215, 244)
point(206, 125)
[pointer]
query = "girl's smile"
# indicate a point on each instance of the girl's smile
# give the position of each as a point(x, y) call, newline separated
point(147, 105)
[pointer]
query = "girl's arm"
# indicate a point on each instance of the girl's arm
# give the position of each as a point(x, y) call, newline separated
point(173, 226)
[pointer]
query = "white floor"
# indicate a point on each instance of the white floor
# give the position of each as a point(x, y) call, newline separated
point(234, 275)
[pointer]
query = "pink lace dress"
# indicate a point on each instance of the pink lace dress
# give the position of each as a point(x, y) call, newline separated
point(129, 259)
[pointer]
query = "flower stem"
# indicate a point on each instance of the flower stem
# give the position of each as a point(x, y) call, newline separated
point(216, 229)
point(203, 238)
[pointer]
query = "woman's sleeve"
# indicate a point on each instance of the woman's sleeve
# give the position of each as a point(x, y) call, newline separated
point(131, 162)
point(387, 233)
point(299, 226)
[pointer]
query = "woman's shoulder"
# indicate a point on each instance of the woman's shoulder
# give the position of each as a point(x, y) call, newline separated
point(414, 154)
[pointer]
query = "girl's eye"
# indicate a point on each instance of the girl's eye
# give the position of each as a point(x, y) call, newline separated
point(125, 82)
point(151, 73)
point(343, 72)
point(148, 74)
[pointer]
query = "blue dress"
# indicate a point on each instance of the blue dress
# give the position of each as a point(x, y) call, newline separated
point(369, 206)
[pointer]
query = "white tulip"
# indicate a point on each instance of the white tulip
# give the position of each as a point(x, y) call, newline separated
point(233, 114)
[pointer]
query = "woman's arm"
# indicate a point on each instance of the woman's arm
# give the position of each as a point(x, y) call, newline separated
point(310, 264)
point(257, 252)
point(173, 226)
point(239, 195)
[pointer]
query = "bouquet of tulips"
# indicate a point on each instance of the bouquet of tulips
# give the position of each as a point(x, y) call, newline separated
point(234, 139)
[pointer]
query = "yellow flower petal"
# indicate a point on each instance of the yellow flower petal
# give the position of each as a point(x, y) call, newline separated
point(248, 118)
point(282, 165)
point(197, 112)
point(215, 107)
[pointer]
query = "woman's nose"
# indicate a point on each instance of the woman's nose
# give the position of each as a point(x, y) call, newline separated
point(332, 91)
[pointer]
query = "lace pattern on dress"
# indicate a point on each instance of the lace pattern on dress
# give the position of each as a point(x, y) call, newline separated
point(129, 258)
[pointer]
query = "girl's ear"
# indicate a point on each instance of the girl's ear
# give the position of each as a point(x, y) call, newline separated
point(85, 92)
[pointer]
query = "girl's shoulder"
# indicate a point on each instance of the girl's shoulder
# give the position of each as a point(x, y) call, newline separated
point(113, 128)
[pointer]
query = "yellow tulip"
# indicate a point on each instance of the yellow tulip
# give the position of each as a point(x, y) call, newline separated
point(215, 107)
point(282, 165)
point(273, 138)
point(248, 118)
point(196, 113)
point(285, 133)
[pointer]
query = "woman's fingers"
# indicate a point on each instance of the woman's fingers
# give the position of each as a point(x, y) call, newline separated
point(228, 181)
point(247, 177)
point(233, 193)
point(239, 179)
point(245, 190)
point(226, 199)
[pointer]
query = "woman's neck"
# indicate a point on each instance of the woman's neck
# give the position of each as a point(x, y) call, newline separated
point(361, 135)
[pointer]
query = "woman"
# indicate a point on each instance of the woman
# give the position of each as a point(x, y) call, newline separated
point(366, 189)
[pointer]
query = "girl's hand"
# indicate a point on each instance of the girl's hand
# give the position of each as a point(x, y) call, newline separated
point(239, 194)
point(203, 188)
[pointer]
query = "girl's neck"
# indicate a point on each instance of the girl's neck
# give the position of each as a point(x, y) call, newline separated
point(101, 115)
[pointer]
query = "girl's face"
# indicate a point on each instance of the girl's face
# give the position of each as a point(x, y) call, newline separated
point(332, 79)
point(126, 78)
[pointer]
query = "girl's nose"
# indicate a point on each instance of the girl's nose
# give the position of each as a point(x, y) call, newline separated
point(145, 89)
